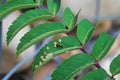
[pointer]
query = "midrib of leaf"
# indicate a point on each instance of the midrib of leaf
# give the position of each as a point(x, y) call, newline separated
point(78, 70)
point(116, 71)
point(108, 78)
point(105, 47)
point(20, 7)
point(93, 75)
point(54, 51)
point(66, 49)
point(40, 38)
point(48, 59)
point(71, 25)
point(54, 10)
point(15, 6)
point(84, 64)
point(25, 24)
point(74, 17)
point(38, 2)
point(88, 34)
point(58, 53)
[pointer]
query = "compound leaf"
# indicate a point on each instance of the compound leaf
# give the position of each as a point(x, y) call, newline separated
point(98, 74)
point(26, 19)
point(54, 6)
point(102, 46)
point(39, 33)
point(115, 66)
point(56, 47)
point(84, 31)
point(14, 5)
point(71, 67)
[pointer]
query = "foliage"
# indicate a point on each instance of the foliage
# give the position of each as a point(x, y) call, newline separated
point(94, 76)
point(69, 68)
point(25, 19)
point(114, 67)
point(84, 34)
point(56, 47)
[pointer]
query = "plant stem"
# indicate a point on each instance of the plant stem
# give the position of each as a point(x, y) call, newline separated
point(58, 19)
point(83, 50)
point(97, 65)
point(112, 76)
point(55, 19)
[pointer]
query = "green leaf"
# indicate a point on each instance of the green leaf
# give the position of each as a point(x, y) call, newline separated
point(84, 31)
point(54, 6)
point(56, 47)
point(115, 66)
point(102, 46)
point(99, 74)
point(71, 67)
point(39, 2)
point(69, 18)
point(26, 19)
point(14, 5)
point(39, 33)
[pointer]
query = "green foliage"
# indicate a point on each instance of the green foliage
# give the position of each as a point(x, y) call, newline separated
point(115, 66)
point(56, 47)
point(39, 2)
point(69, 18)
point(54, 6)
point(69, 68)
point(102, 46)
point(43, 31)
point(25, 19)
point(84, 31)
point(14, 5)
point(98, 74)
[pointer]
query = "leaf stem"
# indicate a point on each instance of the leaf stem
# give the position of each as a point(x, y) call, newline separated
point(83, 50)
point(112, 76)
point(38, 6)
point(98, 65)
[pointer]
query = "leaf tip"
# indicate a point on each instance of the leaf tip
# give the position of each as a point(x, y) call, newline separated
point(78, 12)
point(33, 71)
point(8, 43)
point(17, 53)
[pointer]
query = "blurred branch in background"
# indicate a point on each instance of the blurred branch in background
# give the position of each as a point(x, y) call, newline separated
point(19, 65)
point(97, 13)
point(1, 2)
point(0, 42)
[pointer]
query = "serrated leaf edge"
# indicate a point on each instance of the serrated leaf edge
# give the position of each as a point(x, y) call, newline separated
point(26, 23)
point(59, 52)
point(40, 37)
point(77, 70)
point(17, 8)
point(82, 68)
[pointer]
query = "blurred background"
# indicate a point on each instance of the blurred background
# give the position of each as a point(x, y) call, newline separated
point(12, 68)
